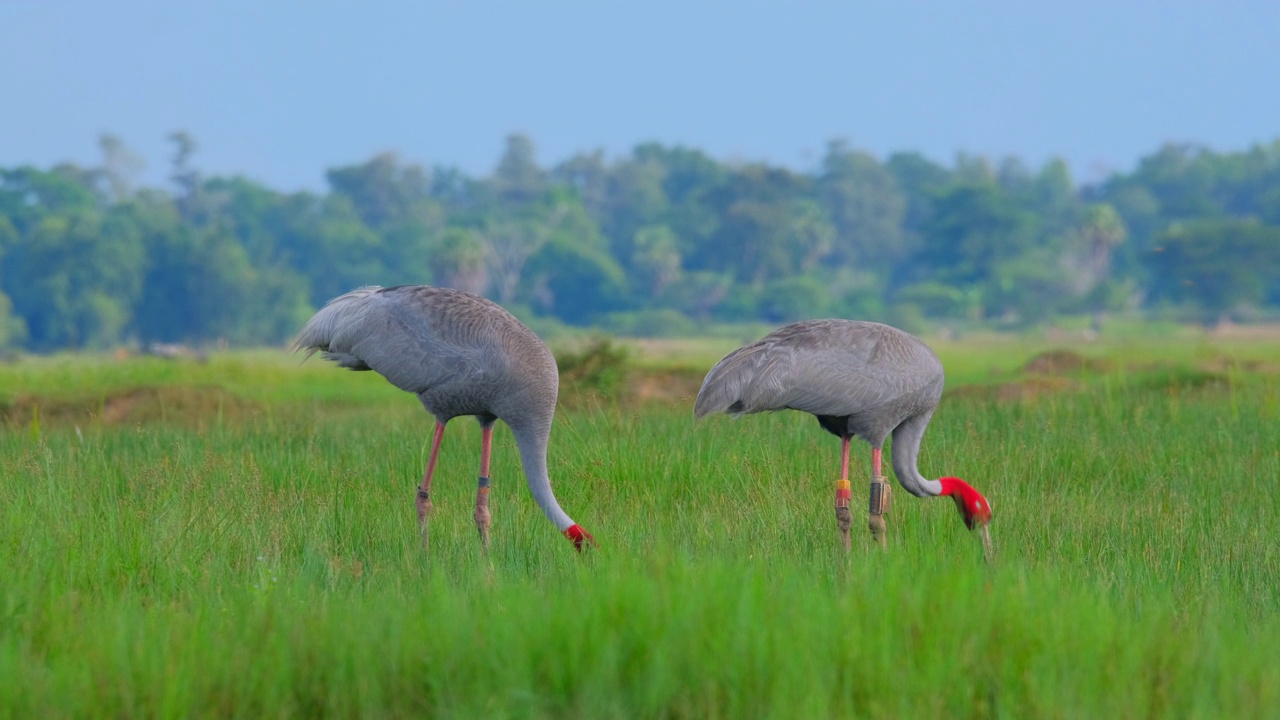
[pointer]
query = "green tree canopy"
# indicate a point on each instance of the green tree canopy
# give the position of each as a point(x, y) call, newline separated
point(1215, 264)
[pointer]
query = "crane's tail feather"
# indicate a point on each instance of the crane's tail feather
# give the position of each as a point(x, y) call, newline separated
point(330, 328)
point(728, 383)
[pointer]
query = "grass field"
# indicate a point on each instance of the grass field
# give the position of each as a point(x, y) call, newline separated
point(238, 539)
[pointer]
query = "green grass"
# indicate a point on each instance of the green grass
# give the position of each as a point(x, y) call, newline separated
point(256, 555)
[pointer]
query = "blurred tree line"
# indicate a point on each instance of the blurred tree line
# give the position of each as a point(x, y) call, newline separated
point(659, 242)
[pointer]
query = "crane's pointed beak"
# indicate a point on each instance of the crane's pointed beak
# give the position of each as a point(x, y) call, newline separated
point(988, 550)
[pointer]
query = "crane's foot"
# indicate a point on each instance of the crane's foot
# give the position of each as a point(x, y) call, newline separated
point(483, 518)
point(844, 518)
point(880, 501)
point(423, 503)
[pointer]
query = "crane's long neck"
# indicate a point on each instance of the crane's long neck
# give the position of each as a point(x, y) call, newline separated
point(532, 441)
point(906, 450)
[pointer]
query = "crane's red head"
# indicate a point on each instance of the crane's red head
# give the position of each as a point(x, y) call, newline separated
point(579, 537)
point(974, 508)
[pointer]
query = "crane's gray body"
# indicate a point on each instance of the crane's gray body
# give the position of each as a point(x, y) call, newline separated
point(461, 354)
point(858, 378)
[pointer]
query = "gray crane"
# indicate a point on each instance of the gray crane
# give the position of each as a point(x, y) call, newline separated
point(859, 379)
point(461, 355)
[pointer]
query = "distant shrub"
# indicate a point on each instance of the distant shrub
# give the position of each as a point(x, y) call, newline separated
point(546, 327)
point(600, 366)
point(937, 300)
point(740, 303)
point(651, 323)
point(860, 304)
point(794, 298)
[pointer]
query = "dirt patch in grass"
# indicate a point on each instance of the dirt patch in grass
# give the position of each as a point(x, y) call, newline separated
point(1229, 364)
point(1177, 380)
point(640, 387)
point(192, 406)
point(1029, 389)
point(666, 387)
point(1248, 331)
point(1062, 362)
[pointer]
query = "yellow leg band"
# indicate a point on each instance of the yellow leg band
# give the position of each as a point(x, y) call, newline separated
point(844, 492)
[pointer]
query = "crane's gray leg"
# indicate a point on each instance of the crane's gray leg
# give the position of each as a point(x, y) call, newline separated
point(423, 500)
point(879, 500)
point(482, 492)
point(844, 493)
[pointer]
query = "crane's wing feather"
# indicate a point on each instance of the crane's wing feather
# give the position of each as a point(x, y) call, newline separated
point(368, 329)
point(724, 386)
point(833, 368)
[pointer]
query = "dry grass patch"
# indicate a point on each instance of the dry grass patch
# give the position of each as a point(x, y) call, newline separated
point(195, 406)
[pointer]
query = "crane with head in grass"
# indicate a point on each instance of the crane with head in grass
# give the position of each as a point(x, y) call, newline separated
point(461, 355)
point(859, 379)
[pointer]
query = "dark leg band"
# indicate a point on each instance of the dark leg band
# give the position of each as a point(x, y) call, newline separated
point(879, 497)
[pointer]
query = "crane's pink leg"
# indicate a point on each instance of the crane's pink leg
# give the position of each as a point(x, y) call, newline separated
point(482, 492)
point(844, 493)
point(879, 500)
point(423, 500)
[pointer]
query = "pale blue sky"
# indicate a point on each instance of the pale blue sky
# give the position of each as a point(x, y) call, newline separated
point(281, 91)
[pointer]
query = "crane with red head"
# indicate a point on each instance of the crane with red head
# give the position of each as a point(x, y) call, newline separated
point(859, 379)
point(461, 354)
